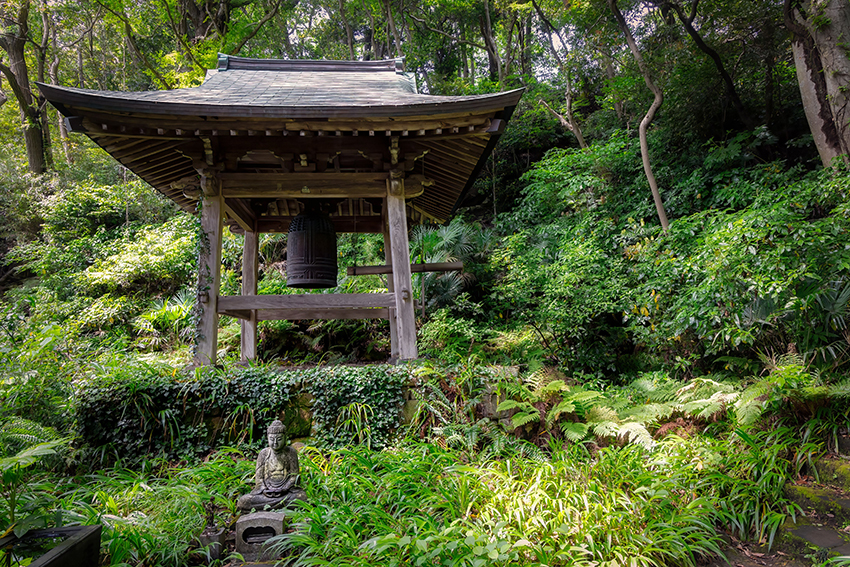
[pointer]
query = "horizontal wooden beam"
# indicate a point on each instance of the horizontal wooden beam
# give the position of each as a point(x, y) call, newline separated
point(301, 314)
point(301, 185)
point(415, 268)
point(305, 301)
point(363, 225)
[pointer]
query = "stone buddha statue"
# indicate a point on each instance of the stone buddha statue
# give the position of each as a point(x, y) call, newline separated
point(276, 479)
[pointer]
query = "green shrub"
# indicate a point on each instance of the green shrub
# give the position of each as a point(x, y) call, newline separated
point(140, 410)
point(335, 388)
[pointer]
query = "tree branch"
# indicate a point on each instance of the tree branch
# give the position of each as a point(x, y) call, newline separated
point(271, 14)
point(440, 32)
point(564, 122)
point(128, 33)
point(180, 37)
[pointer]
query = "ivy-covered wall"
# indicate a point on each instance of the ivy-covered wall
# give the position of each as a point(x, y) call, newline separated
point(152, 410)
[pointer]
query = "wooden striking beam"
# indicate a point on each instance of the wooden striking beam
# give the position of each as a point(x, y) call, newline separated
point(305, 301)
point(414, 268)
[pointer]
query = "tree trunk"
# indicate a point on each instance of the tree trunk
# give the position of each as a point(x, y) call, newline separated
point(63, 130)
point(348, 35)
point(17, 75)
point(569, 122)
point(490, 44)
point(396, 38)
point(821, 33)
point(658, 98)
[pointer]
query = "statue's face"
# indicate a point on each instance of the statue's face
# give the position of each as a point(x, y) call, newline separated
point(277, 441)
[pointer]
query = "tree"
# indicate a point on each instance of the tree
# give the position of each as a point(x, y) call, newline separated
point(13, 41)
point(658, 98)
point(688, 22)
point(821, 34)
point(568, 120)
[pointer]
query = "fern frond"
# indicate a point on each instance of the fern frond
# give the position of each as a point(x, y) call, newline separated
point(648, 413)
point(18, 433)
point(565, 406)
point(604, 428)
point(508, 405)
point(751, 403)
point(583, 399)
point(538, 379)
point(840, 390)
point(574, 431)
point(524, 417)
point(601, 413)
point(634, 432)
point(553, 386)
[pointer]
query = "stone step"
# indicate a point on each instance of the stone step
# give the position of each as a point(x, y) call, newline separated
point(830, 505)
point(814, 541)
point(834, 471)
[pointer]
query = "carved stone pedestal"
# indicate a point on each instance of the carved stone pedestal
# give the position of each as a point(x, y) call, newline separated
point(252, 532)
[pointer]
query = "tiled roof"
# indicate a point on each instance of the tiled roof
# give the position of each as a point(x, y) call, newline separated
point(270, 88)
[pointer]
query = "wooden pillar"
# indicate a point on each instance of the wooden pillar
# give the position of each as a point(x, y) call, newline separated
point(390, 288)
point(250, 256)
point(209, 272)
point(400, 253)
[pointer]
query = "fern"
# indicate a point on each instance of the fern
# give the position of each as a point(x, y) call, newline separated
point(634, 432)
point(524, 417)
point(18, 433)
point(751, 403)
point(564, 406)
point(574, 432)
point(552, 387)
point(509, 404)
point(583, 400)
point(604, 428)
point(648, 413)
point(538, 379)
point(840, 390)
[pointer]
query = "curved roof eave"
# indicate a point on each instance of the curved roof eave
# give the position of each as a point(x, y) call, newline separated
point(107, 101)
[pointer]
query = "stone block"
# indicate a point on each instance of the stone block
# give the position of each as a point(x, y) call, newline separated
point(214, 540)
point(254, 530)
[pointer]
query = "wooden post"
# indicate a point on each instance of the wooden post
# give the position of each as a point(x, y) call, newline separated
point(249, 287)
point(209, 272)
point(400, 248)
point(390, 288)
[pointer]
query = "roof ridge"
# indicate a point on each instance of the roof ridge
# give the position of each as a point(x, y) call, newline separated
point(226, 62)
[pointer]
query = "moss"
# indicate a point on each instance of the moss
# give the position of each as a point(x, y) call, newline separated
point(835, 472)
point(821, 500)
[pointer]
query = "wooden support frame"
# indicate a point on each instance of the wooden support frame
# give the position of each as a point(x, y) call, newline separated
point(391, 315)
point(414, 268)
point(295, 314)
point(250, 259)
point(209, 274)
point(400, 252)
point(315, 301)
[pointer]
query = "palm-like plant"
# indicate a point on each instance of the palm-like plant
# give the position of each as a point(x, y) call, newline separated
point(456, 241)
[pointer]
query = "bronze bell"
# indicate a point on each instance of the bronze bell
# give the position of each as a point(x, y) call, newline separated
point(311, 251)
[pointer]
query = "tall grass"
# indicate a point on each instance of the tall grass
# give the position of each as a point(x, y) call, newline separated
point(419, 505)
